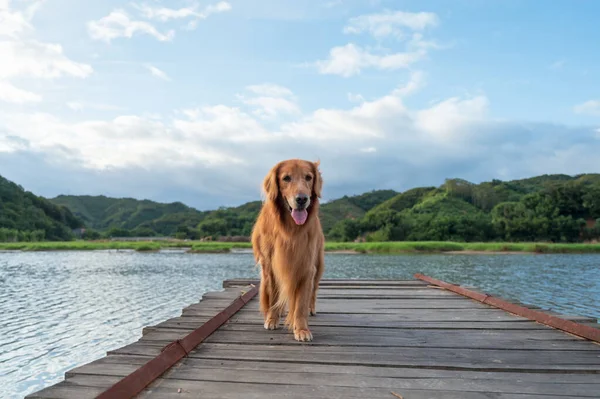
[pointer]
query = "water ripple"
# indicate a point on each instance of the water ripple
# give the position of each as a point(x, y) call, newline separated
point(59, 310)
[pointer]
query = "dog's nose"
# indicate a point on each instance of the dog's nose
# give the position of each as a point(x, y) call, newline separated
point(301, 199)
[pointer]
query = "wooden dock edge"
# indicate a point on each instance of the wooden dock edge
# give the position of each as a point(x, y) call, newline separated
point(134, 383)
point(138, 380)
point(593, 334)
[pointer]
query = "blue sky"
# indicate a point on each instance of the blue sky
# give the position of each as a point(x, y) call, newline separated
point(194, 101)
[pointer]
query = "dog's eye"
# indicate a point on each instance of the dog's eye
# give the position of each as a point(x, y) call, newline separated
point(308, 177)
point(287, 178)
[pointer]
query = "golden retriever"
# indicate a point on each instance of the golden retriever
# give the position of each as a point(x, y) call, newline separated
point(288, 243)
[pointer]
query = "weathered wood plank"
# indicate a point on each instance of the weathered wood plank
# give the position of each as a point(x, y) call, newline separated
point(337, 282)
point(354, 336)
point(390, 372)
point(397, 381)
point(66, 390)
point(368, 304)
point(172, 388)
point(490, 314)
point(374, 321)
point(372, 337)
point(444, 358)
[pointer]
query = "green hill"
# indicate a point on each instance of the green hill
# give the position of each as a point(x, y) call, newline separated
point(129, 216)
point(27, 217)
point(558, 208)
point(354, 207)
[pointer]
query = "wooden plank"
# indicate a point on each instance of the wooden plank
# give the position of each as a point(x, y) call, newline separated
point(374, 321)
point(390, 372)
point(543, 334)
point(118, 365)
point(336, 282)
point(443, 358)
point(356, 336)
point(393, 342)
point(376, 294)
point(365, 304)
point(172, 388)
point(66, 390)
point(401, 315)
point(372, 337)
point(345, 377)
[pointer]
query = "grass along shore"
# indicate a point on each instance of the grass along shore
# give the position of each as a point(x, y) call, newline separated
point(351, 247)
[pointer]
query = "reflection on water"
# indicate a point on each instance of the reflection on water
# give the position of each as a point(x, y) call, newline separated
point(59, 310)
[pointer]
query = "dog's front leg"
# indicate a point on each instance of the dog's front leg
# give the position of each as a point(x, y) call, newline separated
point(268, 298)
point(301, 309)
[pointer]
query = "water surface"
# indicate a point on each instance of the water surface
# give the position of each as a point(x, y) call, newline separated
point(59, 310)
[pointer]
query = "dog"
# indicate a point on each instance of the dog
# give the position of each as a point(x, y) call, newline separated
point(288, 244)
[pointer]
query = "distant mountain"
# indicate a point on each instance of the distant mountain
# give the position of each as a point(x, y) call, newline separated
point(140, 217)
point(353, 207)
point(128, 216)
point(558, 208)
point(25, 216)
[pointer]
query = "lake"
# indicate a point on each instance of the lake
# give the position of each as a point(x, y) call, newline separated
point(59, 310)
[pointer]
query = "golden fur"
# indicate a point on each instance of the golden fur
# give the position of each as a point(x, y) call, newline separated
point(291, 255)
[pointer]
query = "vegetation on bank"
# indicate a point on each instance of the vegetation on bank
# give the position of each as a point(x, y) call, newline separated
point(25, 216)
point(548, 208)
point(364, 247)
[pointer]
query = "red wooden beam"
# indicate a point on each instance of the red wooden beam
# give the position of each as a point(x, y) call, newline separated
point(132, 384)
point(569, 326)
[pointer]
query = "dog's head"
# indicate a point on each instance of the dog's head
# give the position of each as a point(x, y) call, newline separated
point(295, 185)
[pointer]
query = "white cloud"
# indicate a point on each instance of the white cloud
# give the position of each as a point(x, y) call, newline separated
point(355, 98)
point(270, 107)
point(270, 101)
point(165, 14)
point(26, 58)
point(221, 123)
point(12, 94)
point(157, 72)
point(351, 59)
point(450, 117)
point(118, 24)
point(123, 142)
point(13, 23)
point(413, 147)
point(38, 60)
point(591, 107)
point(391, 23)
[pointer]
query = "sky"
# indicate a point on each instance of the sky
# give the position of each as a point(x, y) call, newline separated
point(195, 101)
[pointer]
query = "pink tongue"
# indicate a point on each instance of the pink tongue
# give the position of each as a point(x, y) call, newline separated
point(299, 215)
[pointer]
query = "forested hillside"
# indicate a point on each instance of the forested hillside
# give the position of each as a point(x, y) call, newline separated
point(27, 217)
point(555, 208)
point(124, 217)
point(558, 208)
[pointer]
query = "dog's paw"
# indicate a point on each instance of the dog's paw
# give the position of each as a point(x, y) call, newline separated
point(303, 335)
point(271, 324)
point(313, 312)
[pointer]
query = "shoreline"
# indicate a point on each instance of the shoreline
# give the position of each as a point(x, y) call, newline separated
point(384, 248)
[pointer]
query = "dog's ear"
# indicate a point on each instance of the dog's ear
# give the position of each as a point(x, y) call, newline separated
point(318, 183)
point(271, 185)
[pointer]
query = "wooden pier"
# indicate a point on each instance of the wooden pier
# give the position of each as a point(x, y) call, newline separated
point(372, 339)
